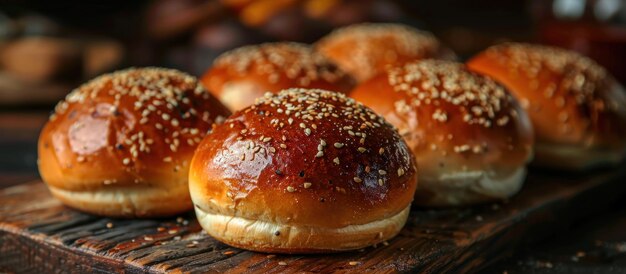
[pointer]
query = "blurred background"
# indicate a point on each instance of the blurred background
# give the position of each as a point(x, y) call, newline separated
point(49, 47)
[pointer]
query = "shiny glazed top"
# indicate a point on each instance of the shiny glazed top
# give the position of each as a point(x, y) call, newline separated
point(135, 127)
point(569, 98)
point(455, 121)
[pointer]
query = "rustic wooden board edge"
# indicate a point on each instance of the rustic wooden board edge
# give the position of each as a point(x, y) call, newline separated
point(46, 257)
point(454, 253)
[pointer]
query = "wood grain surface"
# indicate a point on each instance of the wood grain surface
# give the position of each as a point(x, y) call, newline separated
point(38, 234)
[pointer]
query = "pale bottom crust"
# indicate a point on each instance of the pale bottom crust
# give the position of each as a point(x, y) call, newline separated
point(575, 157)
point(139, 201)
point(467, 188)
point(272, 237)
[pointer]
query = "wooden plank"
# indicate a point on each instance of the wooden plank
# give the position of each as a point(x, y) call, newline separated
point(38, 234)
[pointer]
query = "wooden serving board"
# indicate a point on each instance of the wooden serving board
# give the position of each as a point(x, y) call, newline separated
point(38, 234)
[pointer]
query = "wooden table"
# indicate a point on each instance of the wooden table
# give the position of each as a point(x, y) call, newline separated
point(596, 245)
point(38, 234)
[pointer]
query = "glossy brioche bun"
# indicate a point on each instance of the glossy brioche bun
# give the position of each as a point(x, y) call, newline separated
point(577, 109)
point(365, 50)
point(120, 145)
point(470, 137)
point(240, 76)
point(303, 171)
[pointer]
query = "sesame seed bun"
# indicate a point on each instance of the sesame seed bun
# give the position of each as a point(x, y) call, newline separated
point(577, 108)
point(365, 50)
point(470, 137)
point(303, 171)
point(120, 145)
point(241, 75)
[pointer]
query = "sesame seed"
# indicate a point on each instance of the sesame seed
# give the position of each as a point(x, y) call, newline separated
point(368, 169)
point(381, 151)
point(336, 160)
point(290, 189)
point(282, 263)
point(307, 131)
point(382, 172)
point(338, 145)
point(432, 82)
point(267, 139)
point(126, 161)
point(357, 179)
point(381, 182)
point(461, 148)
point(361, 149)
point(353, 263)
point(319, 154)
point(307, 185)
point(400, 172)
point(109, 225)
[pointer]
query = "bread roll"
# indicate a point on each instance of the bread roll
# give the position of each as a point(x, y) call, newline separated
point(240, 76)
point(365, 50)
point(577, 108)
point(470, 137)
point(303, 171)
point(120, 145)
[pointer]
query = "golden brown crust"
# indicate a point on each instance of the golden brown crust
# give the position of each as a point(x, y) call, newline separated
point(461, 127)
point(304, 158)
point(571, 100)
point(135, 128)
point(240, 76)
point(365, 50)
